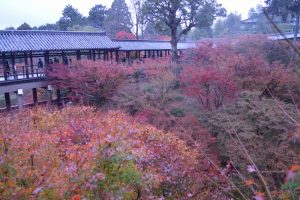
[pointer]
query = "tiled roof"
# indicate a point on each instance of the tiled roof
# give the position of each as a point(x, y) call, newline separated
point(18, 41)
point(131, 45)
point(280, 37)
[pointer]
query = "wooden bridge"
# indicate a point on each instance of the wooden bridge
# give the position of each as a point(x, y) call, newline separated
point(25, 54)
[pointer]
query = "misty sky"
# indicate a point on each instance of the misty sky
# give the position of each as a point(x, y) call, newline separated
point(38, 12)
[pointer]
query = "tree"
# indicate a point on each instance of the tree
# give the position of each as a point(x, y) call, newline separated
point(24, 26)
point(139, 17)
point(97, 16)
point(182, 15)
point(123, 35)
point(71, 17)
point(229, 26)
point(118, 18)
point(284, 8)
point(48, 27)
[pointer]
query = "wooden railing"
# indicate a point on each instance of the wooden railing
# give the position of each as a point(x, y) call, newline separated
point(21, 72)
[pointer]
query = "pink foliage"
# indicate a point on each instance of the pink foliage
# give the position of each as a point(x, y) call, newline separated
point(123, 35)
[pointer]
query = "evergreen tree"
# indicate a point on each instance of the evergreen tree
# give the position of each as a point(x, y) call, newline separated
point(70, 18)
point(24, 26)
point(97, 16)
point(118, 18)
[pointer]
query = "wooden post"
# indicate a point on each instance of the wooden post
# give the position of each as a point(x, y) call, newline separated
point(7, 101)
point(20, 98)
point(136, 54)
point(90, 55)
point(62, 57)
point(94, 55)
point(26, 65)
point(4, 66)
point(117, 55)
point(35, 97)
point(99, 55)
point(78, 55)
point(31, 63)
point(13, 64)
point(111, 55)
point(128, 57)
point(49, 94)
point(153, 54)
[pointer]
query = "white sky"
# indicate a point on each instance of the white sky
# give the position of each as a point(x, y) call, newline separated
point(38, 12)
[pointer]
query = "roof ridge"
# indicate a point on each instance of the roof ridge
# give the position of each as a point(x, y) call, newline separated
point(50, 32)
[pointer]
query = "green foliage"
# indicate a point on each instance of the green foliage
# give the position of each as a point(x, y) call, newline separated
point(292, 187)
point(118, 18)
point(262, 125)
point(229, 26)
point(71, 17)
point(120, 173)
point(97, 16)
point(178, 112)
point(24, 26)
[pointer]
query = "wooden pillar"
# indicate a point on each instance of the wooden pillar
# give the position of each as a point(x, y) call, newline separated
point(90, 55)
point(4, 66)
point(20, 98)
point(111, 55)
point(26, 64)
point(63, 57)
point(153, 54)
point(35, 97)
point(94, 55)
point(7, 101)
point(49, 94)
point(13, 68)
point(99, 55)
point(128, 62)
point(117, 55)
point(31, 63)
point(149, 54)
point(136, 54)
point(78, 55)
point(46, 58)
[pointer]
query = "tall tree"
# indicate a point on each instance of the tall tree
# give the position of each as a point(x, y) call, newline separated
point(118, 18)
point(139, 21)
point(284, 8)
point(182, 15)
point(24, 26)
point(97, 16)
point(70, 18)
point(228, 26)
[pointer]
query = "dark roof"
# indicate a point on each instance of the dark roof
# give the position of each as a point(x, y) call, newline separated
point(131, 45)
point(18, 41)
point(277, 36)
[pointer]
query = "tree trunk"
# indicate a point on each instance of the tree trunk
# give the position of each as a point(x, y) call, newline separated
point(174, 50)
point(136, 27)
point(296, 28)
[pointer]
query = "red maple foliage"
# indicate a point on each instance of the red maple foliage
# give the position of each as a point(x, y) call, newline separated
point(123, 35)
point(90, 80)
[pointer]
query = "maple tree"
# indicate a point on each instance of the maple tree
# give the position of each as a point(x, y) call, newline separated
point(96, 82)
point(123, 35)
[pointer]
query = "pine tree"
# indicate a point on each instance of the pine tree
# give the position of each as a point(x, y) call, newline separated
point(118, 18)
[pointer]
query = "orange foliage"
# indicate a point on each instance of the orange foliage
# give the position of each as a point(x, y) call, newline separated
point(56, 153)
